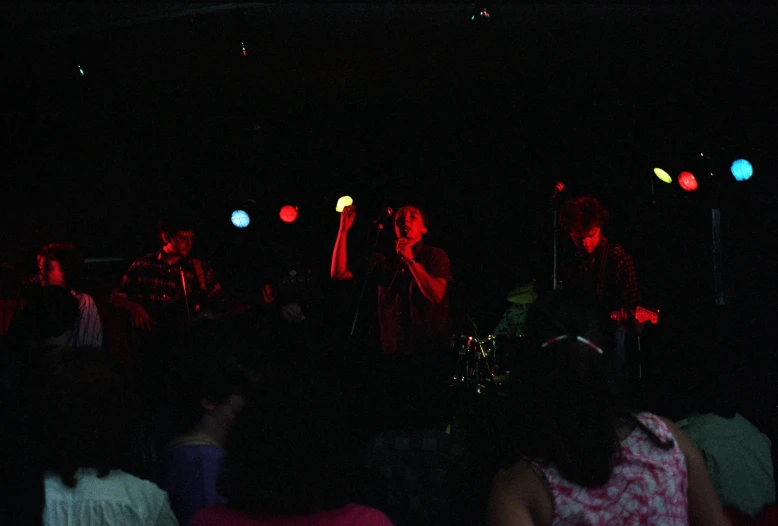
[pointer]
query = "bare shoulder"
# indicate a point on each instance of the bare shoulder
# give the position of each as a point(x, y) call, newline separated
point(519, 497)
point(684, 442)
point(669, 423)
point(704, 506)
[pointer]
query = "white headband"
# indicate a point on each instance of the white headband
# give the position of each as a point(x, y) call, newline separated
point(579, 338)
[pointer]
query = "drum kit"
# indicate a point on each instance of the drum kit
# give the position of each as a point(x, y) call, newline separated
point(485, 363)
point(479, 364)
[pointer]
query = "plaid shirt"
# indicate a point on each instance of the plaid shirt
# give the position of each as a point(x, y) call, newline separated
point(156, 285)
point(620, 286)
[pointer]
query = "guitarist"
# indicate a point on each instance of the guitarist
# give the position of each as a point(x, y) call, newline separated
point(164, 293)
point(599, 267)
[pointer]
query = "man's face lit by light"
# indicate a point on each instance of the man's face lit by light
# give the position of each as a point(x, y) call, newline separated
point(586, 240)
point(180, 243)
point(409, 223)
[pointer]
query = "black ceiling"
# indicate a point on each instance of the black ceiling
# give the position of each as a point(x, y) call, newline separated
point(385, 101)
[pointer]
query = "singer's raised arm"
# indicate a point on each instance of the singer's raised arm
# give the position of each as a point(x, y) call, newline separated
point(339, 268)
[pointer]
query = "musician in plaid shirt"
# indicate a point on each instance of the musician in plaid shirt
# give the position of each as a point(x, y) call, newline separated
point(152, 290)
point(599, 267)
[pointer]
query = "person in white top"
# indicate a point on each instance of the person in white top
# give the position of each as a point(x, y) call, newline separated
point(711, 393)
point(83, 410)
point(117, 498)
point(737, 457)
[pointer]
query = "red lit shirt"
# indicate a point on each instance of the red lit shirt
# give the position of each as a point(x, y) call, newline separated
point(409, 322)
point(350, 515)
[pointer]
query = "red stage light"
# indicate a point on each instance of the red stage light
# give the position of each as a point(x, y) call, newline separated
point(288, 214)
point(687, 181)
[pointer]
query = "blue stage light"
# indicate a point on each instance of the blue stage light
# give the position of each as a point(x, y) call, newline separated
point(240, 218)
point(742, 169)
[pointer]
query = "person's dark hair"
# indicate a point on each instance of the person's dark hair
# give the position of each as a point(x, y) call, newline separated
point(565, 407)
point(283, 454)
point(70, 261)
point(582, 213)
point(175, 222)
point(202, 372)
point(48, 312)
point(85, 410)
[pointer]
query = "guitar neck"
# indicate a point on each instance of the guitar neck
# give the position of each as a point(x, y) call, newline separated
point(640, 314)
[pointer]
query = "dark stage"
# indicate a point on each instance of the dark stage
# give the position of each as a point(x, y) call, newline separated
point(116, 113)
point(113, 114)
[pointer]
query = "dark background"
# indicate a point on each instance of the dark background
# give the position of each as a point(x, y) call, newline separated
point(392, 103)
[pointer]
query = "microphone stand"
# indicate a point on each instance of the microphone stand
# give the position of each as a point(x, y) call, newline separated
point(186, 296)
point(365, 279)
point(554, 211)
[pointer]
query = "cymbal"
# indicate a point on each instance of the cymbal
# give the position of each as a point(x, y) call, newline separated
point(523, 294)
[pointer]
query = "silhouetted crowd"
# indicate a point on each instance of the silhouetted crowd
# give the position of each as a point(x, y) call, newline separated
point(231, 433)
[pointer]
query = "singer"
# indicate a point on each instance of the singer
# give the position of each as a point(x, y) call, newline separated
point(414, 317)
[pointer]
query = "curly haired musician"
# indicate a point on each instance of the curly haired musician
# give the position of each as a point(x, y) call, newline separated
point(599, 267)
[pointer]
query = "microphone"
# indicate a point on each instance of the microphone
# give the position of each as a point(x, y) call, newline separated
point(385, 214)
point(558, 187)
point(400, 244)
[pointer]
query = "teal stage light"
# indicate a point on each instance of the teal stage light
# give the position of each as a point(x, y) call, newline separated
point(240, 218)
point(742, 170)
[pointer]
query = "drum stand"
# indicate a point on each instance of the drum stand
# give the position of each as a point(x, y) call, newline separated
point(472, 366)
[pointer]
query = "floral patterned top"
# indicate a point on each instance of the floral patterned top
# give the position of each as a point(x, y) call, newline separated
point(647, 486)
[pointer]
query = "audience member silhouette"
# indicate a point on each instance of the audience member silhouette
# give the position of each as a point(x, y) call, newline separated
point(46, 322)
point(708, 404)
point(283, 466)
point(21, 486)
point(206, 392)
point(62, 265)
point(84, 412)
point(577, 454)
point(420, 475)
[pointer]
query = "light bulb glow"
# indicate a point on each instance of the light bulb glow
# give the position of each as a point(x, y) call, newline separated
point(742, 170)
point(663, 176)
point(288, 213)
point(343, 202)
point(240, 218)
point(687, 181)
